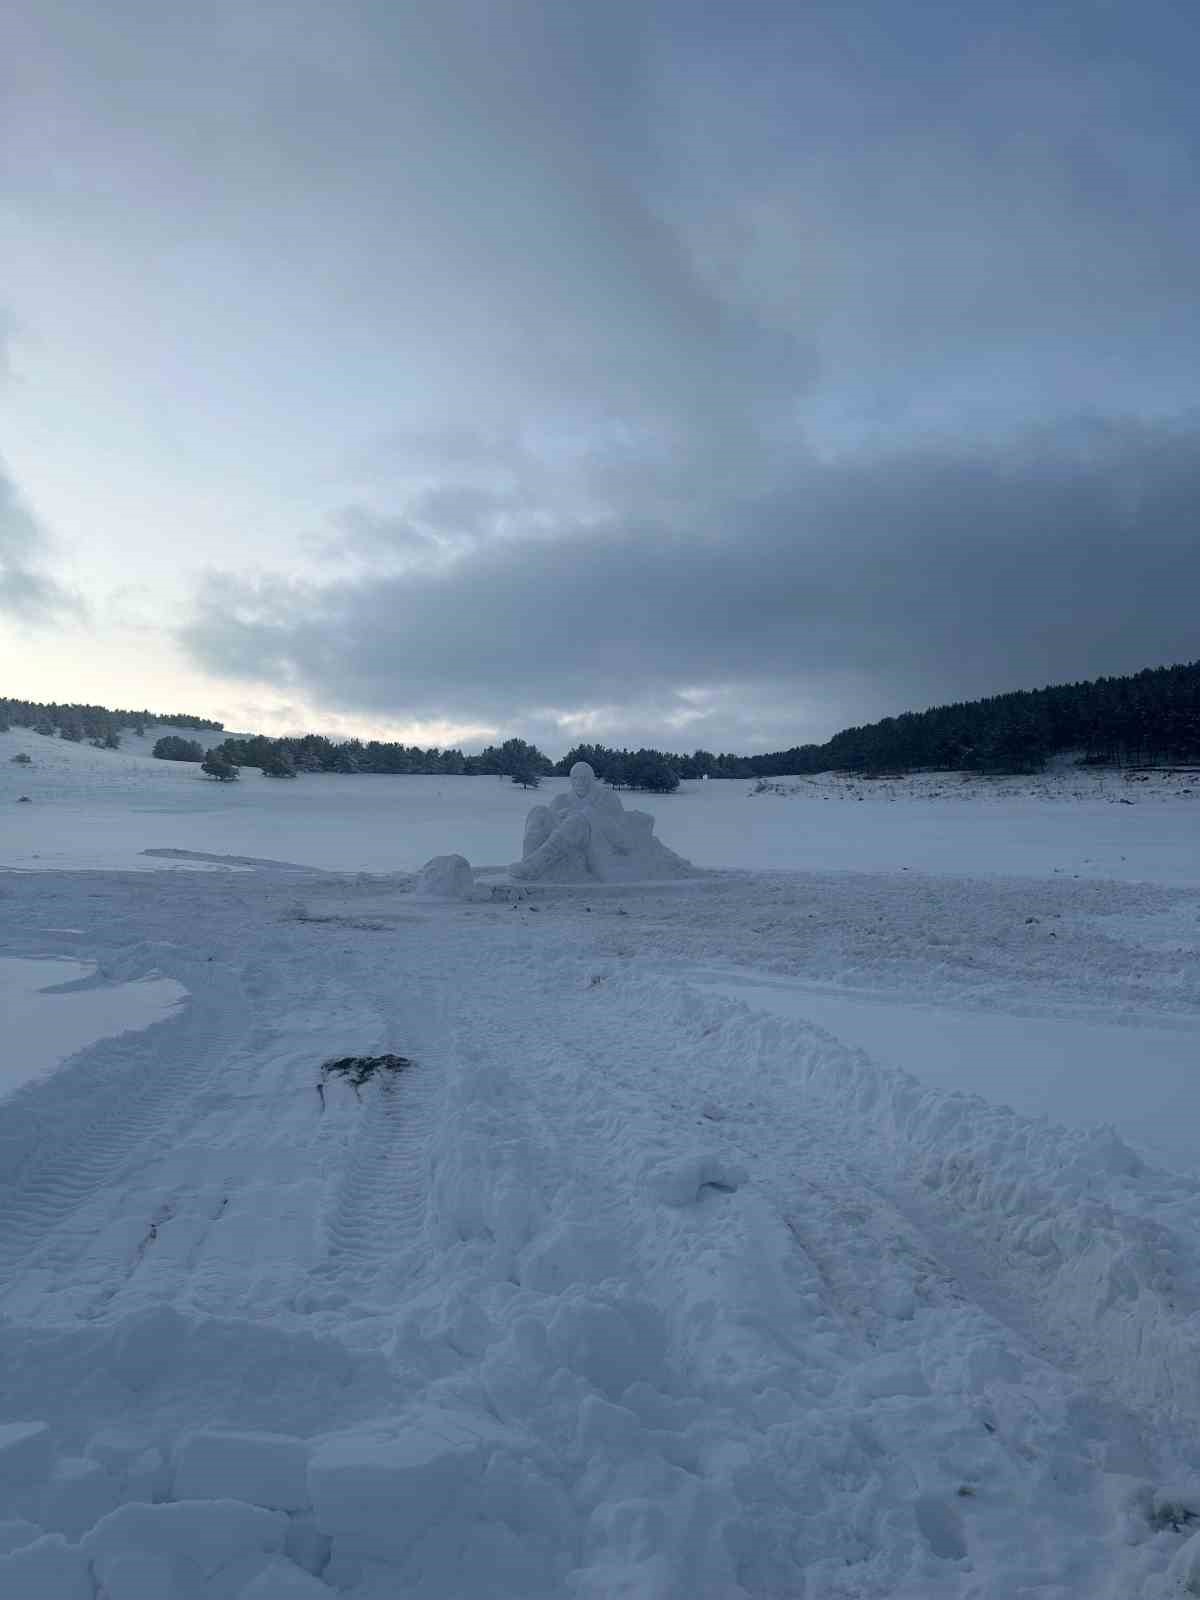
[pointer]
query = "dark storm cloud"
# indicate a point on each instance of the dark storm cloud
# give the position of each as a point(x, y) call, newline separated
point(27, 593)
point(979, 568)
point(633, 324)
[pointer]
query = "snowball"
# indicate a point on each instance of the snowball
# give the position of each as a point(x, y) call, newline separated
point(678, 1182)
point(50, 1569)
point(79, 1493)
point(447, 878)
point(282, 1580)
point(264, 1469)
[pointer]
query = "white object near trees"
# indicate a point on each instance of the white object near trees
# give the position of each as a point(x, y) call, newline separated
point(586, 835)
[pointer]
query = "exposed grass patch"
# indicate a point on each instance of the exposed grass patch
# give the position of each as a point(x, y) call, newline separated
point(1172, 1514)
point(358, 1070)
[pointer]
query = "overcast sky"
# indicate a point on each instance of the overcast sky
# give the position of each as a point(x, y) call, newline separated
point(661, 371)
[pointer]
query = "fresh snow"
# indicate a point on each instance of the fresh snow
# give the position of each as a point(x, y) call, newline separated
point(1140, 1077)
point(104, 808)
point(824, 1225)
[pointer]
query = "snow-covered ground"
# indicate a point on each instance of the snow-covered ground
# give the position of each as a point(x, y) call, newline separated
point(93, 808)
point(709, 1246)
point(51, 1009)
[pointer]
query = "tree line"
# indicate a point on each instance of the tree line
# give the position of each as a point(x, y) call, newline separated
point(98, 725)
point(1146, 718)
point(1149, 718)
point(313, 752)
point(516, 759)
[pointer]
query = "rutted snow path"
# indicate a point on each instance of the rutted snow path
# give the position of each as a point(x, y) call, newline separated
point(619, 1290)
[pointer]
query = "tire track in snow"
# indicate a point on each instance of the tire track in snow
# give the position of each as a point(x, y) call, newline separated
point(380, 1203)
point(70, 1135)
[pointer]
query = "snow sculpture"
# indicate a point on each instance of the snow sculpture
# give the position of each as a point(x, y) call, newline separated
point(586, 835)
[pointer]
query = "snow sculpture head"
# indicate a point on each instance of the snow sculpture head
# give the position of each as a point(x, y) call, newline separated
point(583, 780)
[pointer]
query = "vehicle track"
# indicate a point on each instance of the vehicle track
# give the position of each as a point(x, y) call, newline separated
point(68, 1136)
point(379, 1205)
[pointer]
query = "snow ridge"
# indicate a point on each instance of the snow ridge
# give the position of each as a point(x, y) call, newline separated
point(1076, 1219)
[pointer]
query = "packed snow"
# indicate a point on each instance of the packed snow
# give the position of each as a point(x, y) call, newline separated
point(823, 1224)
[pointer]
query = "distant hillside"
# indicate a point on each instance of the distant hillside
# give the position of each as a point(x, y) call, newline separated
point(97, 724)
point(1151, 718)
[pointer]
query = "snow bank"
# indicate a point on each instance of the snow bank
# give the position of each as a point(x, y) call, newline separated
point(1105, 1244)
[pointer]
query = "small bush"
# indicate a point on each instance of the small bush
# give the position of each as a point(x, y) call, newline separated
point(172, 748)
point(219, 767)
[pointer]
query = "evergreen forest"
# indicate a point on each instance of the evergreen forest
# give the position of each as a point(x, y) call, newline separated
point(1150, 718)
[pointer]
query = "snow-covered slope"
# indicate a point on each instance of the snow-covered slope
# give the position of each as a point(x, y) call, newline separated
point(619, 1285)
point(104, 808)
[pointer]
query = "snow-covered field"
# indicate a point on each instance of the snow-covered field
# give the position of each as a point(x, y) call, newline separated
point(711, 1245)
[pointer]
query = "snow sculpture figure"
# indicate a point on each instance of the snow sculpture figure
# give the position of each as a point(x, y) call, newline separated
point(587, 835)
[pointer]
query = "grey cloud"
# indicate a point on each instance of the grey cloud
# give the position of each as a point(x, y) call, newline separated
point(982, 569)
point(27, 592)
point(691, 218)
point(469, 181)
point(605, 283)
point(1031, 228)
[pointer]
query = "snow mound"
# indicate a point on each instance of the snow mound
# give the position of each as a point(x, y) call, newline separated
point(1099, 1241)
point(446, 878)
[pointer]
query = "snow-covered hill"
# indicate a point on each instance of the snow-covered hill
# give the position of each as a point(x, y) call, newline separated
point(626, 1278)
